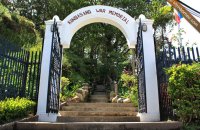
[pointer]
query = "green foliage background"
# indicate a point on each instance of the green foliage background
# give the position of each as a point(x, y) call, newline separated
point(18, 29)
point(98, 52)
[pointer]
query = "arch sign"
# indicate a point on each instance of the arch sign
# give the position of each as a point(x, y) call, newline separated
point(127, 25)
point(98, 14)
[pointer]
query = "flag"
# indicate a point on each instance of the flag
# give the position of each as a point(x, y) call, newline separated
point(178, 17)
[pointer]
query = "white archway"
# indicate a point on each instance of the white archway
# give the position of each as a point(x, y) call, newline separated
point(128, 26)
point(98, 14)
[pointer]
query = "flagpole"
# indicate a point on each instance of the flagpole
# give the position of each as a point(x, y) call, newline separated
point(180, 41)
point(179, 32)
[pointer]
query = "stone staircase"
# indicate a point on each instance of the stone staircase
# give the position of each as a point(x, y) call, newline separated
point(99, 95)
point(98, 110)
point(98, 114)
point(98, 126)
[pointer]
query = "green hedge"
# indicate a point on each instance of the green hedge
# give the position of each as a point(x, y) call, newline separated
point(18, 29)
point(11, 108)
point(184, 90)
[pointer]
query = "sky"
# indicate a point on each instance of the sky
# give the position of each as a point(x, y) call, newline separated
point(191, 34)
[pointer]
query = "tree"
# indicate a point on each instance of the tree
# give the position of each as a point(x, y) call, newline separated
point(98, 51)
point(162, 14)
point(17, 29)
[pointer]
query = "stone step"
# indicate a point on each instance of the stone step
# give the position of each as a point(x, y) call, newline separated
point(101, 104)
point(97, 113)
point(98, 119)
point(98, 96)
point(100, 86)
point(94, 108)
point(99, 100)
point(99, 90)
point(99, 93)
point(99, 126)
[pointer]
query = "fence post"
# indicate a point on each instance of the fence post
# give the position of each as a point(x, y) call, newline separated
point(152, 99)
point(44, 76)
point(26, 65)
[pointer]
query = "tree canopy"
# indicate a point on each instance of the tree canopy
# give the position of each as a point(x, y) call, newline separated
point(99, 51)
point(17, 29)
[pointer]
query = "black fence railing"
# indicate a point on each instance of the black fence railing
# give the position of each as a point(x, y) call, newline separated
point(142, 103)
point(54, 72)
point(19, 72)
point(165, 59)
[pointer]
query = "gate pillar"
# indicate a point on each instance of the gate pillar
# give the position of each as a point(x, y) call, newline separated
point(44, 74)
point(152, 98)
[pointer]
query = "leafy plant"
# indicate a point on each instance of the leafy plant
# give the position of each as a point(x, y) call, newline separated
point(68, 90)
point(184, 90)
point(128, 80)
point(11, 108)
point(160, 12)
point(191, 127)
point(128, 87)
point(64, 83)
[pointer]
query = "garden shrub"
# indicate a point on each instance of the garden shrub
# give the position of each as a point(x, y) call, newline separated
point(64, 88)
point(128, 80)
point(128, 87)
point(184, 90)
point(68, 89)
point(18, 29)
point(64, 83)
point(11, 108)
point(191, 126)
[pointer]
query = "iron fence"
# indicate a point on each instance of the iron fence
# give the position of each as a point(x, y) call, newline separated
point(19, 72)
point(165, 59)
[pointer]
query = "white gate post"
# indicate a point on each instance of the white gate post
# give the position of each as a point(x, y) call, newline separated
point(44, 75)
point(152, 98)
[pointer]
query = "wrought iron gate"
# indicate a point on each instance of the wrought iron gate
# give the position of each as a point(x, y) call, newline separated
point(54, 72)
point(141, 72)
point(166, 58)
